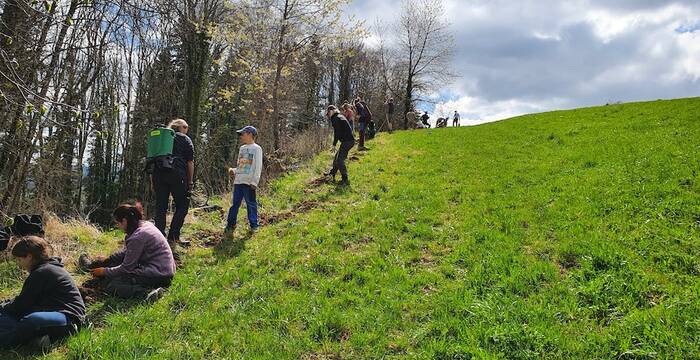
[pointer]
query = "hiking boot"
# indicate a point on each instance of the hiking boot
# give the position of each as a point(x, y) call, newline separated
point(84, 263)
point(344, 182)
point(362, 148)
point(183, 243)
point(254, 230)
point(154, 295)
point(228, 232)
point(42, 343)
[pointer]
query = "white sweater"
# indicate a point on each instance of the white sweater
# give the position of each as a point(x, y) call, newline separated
point(250, 160)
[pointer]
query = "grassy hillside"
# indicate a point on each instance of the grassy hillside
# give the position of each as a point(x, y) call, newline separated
point(570, 234)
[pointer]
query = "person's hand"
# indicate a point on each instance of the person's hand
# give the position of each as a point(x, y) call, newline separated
point(98, 272)
point(231, 172)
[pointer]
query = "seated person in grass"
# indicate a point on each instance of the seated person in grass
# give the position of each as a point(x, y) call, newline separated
point(85, 263)
point(49, 307)
point(143, 268)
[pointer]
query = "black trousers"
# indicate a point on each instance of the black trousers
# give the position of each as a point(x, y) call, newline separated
point(340, 157)
point(167, 184)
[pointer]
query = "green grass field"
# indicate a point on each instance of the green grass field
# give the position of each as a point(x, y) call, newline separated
point(571, 234)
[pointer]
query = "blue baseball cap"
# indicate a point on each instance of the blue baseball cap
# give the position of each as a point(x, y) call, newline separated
point(248, 129)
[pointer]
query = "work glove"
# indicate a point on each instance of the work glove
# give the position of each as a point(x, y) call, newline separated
point(98, 272)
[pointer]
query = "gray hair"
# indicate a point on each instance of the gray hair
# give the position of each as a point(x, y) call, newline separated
point(177, 124)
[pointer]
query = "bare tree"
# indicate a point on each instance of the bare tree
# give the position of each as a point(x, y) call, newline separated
point(420, 46)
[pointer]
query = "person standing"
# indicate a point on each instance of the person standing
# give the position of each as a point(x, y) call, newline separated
point(177, 181)
point(246, 178)
point(365, 116)
point(49, 307)
point(425, 119)
point(390, 107)
point(342, 131)
point(411, 119)
point(349, 114)
point(455, 119)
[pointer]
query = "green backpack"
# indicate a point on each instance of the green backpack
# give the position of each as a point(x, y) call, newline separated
point(159, 155)
point(160, 142)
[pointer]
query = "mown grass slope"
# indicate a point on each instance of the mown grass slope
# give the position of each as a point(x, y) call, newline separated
point(571, 234)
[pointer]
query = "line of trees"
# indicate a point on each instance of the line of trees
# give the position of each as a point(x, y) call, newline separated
point(82, 82)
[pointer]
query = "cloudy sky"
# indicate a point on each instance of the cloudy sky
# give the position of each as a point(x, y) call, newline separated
point(525, 56)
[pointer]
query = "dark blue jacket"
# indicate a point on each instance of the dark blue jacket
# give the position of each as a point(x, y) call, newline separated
point(342, 131)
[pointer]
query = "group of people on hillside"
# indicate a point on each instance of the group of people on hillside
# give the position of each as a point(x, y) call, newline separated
point(50, 305)
point(423, 122)
point(359, 115)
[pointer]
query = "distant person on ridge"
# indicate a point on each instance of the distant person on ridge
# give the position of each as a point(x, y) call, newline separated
point(455, 119)
point(143, 268)
point(425, 119)
point(177, 181)
point(341, 132)
point(246, 179)
point(389, 114)
point(49, 307)
point(365, 117)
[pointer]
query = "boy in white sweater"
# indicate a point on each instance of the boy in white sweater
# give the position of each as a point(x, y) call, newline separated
point(246, 179)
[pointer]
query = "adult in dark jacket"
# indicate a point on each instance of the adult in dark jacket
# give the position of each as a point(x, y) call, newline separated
point(425, 119)
point(177, 182)
point(49, 307)
point(365, 116)
point(342, 131)
point(144, 267)
point(390, 107)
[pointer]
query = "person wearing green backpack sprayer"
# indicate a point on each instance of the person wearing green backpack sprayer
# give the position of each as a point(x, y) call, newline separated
point(174, 175)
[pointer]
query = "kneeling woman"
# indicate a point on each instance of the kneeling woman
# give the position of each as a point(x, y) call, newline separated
point(49, 307)
point(147, 266)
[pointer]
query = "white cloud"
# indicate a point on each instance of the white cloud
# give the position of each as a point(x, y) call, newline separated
point(688, 64)
point(517, 57)
point(474, 111)
point(608, 24)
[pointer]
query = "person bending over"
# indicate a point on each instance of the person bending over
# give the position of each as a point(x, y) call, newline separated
point(144, 267)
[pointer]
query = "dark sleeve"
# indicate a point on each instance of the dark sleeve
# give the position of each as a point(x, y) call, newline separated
point(31, 291)
point(187, 148)
point(348, 128)
point(336, 130)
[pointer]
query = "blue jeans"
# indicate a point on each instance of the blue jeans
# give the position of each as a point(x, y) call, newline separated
point(240, 192)
point(15, 332)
